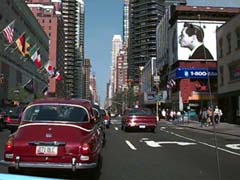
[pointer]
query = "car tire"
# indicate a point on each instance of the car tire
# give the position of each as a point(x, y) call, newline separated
point(1, 125)
point(12, 170)
point(153, 130)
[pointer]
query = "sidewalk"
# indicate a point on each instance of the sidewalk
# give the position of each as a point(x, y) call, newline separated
point(222, 128)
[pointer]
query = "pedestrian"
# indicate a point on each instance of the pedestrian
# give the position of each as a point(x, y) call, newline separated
point(217, 115)
point(210, 116)
point(204, 116)
point(163, 114)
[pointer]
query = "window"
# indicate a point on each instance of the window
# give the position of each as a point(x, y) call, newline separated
point(237, 31)
point(229, 43)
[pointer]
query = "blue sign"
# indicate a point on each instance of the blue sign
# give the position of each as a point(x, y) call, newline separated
point(195, 73)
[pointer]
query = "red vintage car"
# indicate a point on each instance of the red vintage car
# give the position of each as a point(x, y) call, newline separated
point(55, 133)
point(139, 118)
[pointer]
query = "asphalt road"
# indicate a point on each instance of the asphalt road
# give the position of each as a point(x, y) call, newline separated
point(171, 153)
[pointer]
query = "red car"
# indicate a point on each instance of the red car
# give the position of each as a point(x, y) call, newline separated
point(139, 118)
point(55, 133)
point(12, 117)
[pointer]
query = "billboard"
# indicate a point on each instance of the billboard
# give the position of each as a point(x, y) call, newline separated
point(196, 40)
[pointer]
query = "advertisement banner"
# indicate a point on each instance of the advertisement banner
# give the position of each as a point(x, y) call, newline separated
point(195, 73)
point(197, 39)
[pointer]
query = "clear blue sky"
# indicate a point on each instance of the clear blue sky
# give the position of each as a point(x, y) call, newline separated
point(103, 19)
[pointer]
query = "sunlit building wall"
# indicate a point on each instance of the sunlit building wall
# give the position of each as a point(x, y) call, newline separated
point(48, 14)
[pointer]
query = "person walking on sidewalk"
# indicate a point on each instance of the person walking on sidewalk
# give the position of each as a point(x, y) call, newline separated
point(204, 116)
point(210, 116)
point(217, 115)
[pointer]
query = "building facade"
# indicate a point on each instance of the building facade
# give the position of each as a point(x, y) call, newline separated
point(193, 76)
point(16, 71)
point(48, 14)
point(116, 46)
point(121, 70)
point(78, 88)
point(86, 78)
point(69, 10)
point(143, 19)
point(228, 43)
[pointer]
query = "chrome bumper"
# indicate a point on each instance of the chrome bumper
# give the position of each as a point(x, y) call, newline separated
point(48, 165)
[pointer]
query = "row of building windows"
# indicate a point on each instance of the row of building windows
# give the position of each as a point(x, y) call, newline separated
point(229, 41)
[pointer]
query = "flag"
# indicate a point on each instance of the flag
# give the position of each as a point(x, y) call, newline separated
point(171, 83)
point(35, 56)
point(49, 68)
point(29, 86)
point(56, 75)
point(23, 45)
point(8, 32)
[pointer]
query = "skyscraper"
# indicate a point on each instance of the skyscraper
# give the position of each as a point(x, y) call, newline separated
point(143, 19)
point(78, 88)
point(116, 46)
point(125, 21)
point(73, 15)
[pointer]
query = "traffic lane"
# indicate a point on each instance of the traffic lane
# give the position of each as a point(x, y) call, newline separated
point(226, 142)
point(228, 159)
point(172, 159)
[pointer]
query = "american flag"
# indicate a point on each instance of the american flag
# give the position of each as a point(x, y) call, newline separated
point(8, 32)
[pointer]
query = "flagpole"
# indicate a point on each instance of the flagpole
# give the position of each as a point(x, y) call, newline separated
point(13, 42)
point(8, 25)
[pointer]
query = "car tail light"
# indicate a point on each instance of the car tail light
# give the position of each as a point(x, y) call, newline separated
point(9, 145)
point(85, 149)
point(7, 119)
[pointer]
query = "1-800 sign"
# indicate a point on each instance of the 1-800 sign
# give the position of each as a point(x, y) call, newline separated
point(198, 73)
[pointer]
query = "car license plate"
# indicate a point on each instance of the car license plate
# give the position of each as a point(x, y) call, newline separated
point(142, 126)
point(47, 150)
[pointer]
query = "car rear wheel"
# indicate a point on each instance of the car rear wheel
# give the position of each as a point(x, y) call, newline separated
point(153, 130)
point(1, 125)
point(12, 170)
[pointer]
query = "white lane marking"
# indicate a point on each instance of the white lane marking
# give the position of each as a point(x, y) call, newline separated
point(130, 145)
point(116, 128)
point(203, 143)
point(180, 128)
point(162, 127)
point(143, 139)
point(158, 144)
point(233, 146)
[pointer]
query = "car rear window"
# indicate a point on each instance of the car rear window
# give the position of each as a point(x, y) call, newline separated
point(55, 113)
point(139, 112)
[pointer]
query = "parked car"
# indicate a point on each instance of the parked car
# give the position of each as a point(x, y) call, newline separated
point(55, 133)
point(139, 118)
point(12, 117)
point(106, 118)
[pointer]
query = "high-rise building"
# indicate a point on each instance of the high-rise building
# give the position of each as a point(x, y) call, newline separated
point(73, 16)
point(86, 78)
point(121, 70)
point(116, 46)
point(49, 17)
point(69, 8)
point(93, 88)
point(78, 88)
point(143, 19)
point(125, 21)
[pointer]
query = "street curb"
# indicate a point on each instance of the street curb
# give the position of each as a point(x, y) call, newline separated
point(210, 131)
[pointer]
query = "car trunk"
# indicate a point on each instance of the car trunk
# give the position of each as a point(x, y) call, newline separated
point(51, 143)
point(143, 119)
